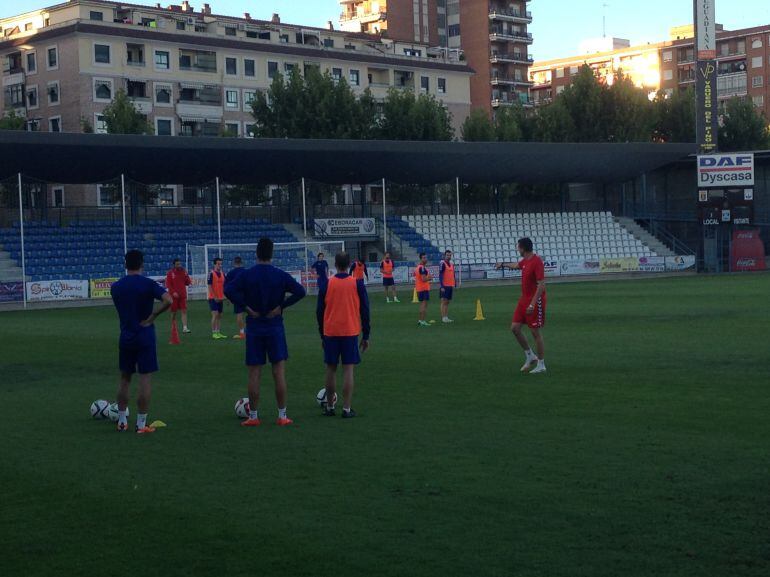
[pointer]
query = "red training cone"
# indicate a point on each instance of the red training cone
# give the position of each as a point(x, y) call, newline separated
point(174, 335)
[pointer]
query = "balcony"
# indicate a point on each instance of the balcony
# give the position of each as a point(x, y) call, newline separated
point(526, 102)
point(510, 16)
point(13, 77)
point(512, 57)
point(732, 85)
point(364, 17)
point(504, 80)
point(510, 36)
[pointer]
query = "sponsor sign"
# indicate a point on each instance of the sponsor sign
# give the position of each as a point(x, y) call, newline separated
point(57, 290)
point(680, 263)
point(344, 227)
point(100, 287)
point(652, 264)
point(626, 264)
point(747, 252)
point(706, 125)
point(718, 170)
point(706, 29)
point(551, 268)
point(579, 267)
point(11, 291)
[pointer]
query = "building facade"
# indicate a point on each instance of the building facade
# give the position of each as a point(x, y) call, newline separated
point(491, 35)
point(192, 73)
point(743, 60)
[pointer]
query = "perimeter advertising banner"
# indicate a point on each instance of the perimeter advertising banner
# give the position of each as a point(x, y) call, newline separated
point(344, 227)
point(726, 170)
point(100, 287)
point(625, 264)
point(57, 290)
point(11, 291)
point(747, 251)
point(652, 264)
point(579, 267)
point(706, 75)
point(680, 263)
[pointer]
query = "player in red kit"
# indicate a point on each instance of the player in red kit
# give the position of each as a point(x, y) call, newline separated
point(531, 307)
point(177, 281)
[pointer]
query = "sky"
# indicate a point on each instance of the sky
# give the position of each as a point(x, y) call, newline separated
point(558, 25)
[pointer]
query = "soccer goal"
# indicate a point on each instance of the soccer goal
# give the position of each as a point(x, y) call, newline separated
point(293, 257)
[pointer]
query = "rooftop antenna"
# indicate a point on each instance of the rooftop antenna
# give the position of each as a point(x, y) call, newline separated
point(604, 19)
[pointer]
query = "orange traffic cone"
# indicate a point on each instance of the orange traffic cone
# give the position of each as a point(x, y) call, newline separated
point(174, 335)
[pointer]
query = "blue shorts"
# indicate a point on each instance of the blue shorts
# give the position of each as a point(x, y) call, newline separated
point(344, 348)
point(260, 348)
point(388, 281)
point(238, 309)
point(216, 306)
point(446, 292)
point(141, 359)
point(423, 296)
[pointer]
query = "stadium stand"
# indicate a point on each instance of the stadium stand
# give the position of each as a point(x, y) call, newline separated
point(94, 249)
point(488, 238)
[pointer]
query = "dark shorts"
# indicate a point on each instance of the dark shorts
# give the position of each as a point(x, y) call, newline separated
point(216, 306)
point(423, 296)
point(179, 304)
point(446, 292)
point(341, 349)
point(237, 309)
point(388, 281)
point(138, 359)
point(260, 348)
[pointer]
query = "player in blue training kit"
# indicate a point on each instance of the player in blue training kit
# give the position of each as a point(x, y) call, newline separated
point(238, 310)
point(133, 296)
point(321, 269)
point(262, 291)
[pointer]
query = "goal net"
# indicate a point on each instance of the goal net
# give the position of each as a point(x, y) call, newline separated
point(293, 257)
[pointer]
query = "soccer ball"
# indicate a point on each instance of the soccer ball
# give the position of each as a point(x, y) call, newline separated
point(100, 409)
point(242, 408)
point(113, 412)
point(321, 397)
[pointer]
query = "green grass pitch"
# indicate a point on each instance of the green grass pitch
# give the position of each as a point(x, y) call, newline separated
point(644, 451)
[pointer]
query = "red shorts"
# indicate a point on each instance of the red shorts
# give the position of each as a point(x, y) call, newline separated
point(179, 304)
point(535, 320)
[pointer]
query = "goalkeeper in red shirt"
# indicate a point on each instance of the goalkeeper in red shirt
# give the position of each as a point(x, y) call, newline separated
point(177, 281)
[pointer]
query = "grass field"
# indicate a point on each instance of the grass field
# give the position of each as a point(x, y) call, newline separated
point(644, 451)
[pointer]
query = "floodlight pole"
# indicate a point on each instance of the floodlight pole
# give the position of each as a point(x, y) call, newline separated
point(219, 220)
point(384, 221)
point(457, 189)
point(304, 231)
point(23, 259)
point(123, 206)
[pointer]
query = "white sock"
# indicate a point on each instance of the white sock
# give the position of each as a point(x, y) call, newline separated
point(530, 355)
point(184, 327)
point(253, 415)
point(243, 331)
point(122, 419)
point(141, 420)
point(345, 410)
point(541, 363)
point(282, 413)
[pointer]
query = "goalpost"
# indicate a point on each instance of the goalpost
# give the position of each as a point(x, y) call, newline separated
point(293, 257)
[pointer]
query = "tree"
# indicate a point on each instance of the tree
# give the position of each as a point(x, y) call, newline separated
point(553, 123)
point(584, 102)
point(628, 113)
point(406, 117)
point(743, 127)
point(509, 124)
point(675, 116)
point(477, 127)
point(122, 117)
point(12, 121)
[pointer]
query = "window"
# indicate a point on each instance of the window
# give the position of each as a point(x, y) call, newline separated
point(724, 49)
point(337, 74)
point(758, 100)
point(180, 25)
point(32, 101)
point(102, 90)
point(100, 124)
point(93, 15)
point(668, 75)
point(560, 73)
point(54, 124)
point(14, 95)
point(230, 31)
point(52, 58)
point(757, 81)
point(53, 93)
point(163, 94)
point(668, 55)
point(424, 84)
point(166, 195)
point(328, 43)
point(164, 127)
point(272, 69)
point(101, 53)
point(107, 194)
point(741, 47)
point(31, 63)
point(231, 98)
point(28, 27)
point(249, 67)
point(233, 128)
point(560, 89)
point(136, 89)
point(248, 97)
point(57, 194)
point(33, 125)
point(231, 66)
point(756, 43)
point(162, 60)
point(355, 77)
point(442, 85)
point(756, 62)
point(288, 67)
point(250, 130)
point(573, 70)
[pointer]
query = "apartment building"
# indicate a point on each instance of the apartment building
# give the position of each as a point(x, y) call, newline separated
point(491, 35)
point(743, 61)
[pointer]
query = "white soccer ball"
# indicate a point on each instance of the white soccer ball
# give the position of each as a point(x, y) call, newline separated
point(100, 409)
point(321, 397)
point(113, 412)
point(242, 408)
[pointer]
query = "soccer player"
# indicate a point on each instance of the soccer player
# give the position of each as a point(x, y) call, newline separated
point(321, 268)
point(262, 291)
point(422, 280)
point(177, 281)
point(216, 283)
point(342, 312)
point(238, 310)
point(133, 297)
point(387, 266)
point(531, 307)
point(447, 279)
point(358, 270)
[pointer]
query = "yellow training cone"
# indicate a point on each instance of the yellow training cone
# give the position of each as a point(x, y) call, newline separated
point(414, 297)
point(479, 311)
point(156, 424)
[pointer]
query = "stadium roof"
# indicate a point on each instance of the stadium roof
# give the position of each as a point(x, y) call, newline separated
point(70, 158)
